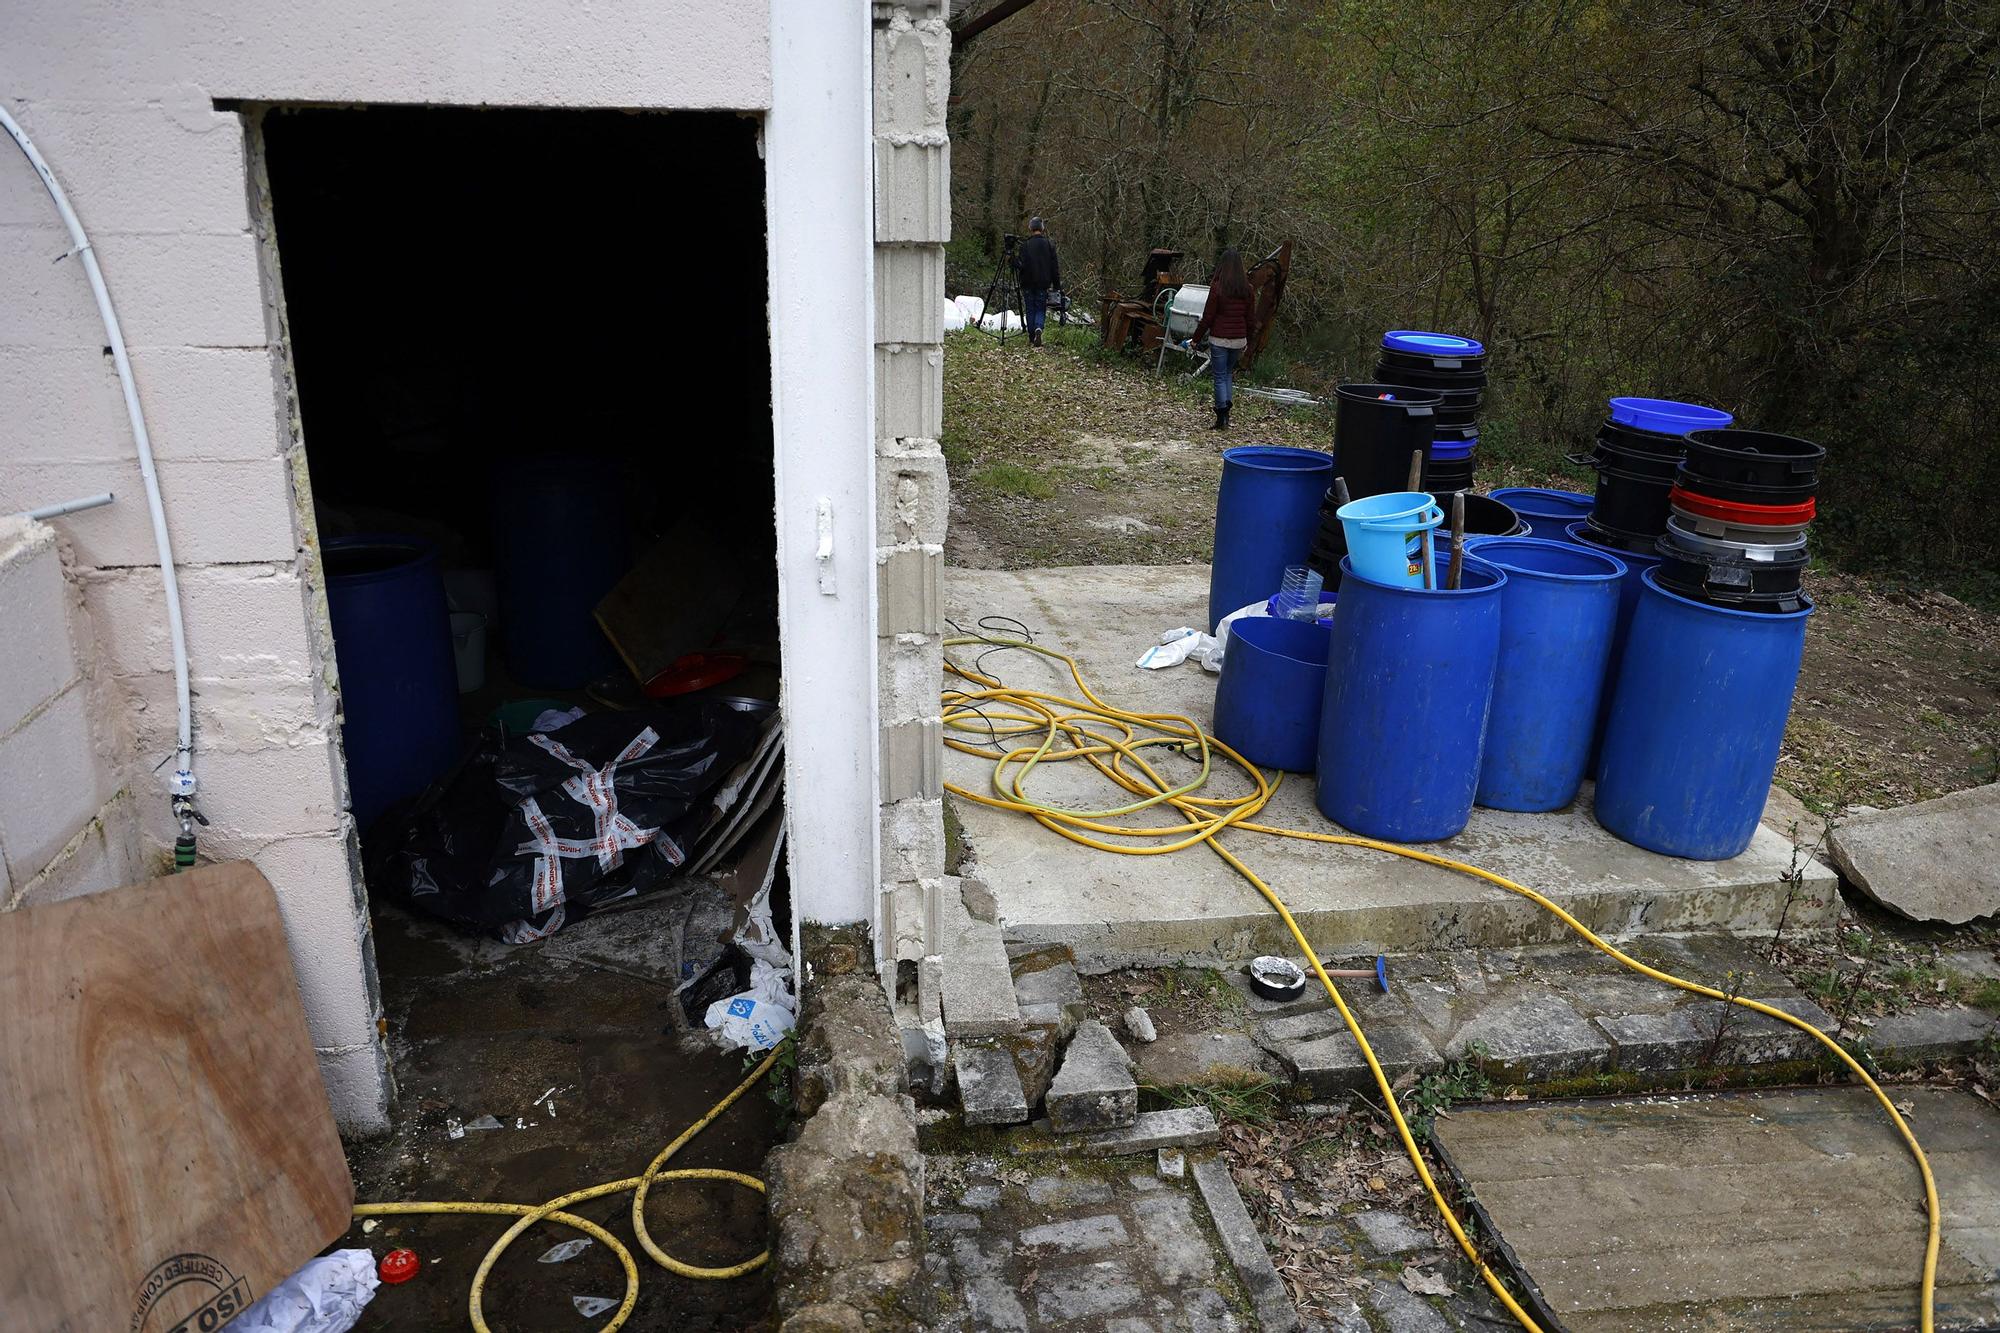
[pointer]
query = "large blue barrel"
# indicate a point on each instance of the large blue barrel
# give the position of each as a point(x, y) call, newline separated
point(1266, 513)
point(559, 544)
point(398, 683)
point(1273, 683)
point(1408, 682)
point(1557, 615)
point(1697, 719)
point(1546, 512)
point(1636, 563)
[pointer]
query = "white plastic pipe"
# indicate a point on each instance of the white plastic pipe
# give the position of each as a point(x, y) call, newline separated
point(182, 784)
point(76, 506)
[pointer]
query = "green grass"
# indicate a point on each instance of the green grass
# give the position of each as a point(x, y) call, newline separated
point(1238, 1094)
point(1013, 479)
point(1986, 995)
point(1462, 1080)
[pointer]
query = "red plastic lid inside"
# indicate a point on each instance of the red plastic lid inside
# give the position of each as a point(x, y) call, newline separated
point(696, 671)
point(1767, 516)
point(399, 1266)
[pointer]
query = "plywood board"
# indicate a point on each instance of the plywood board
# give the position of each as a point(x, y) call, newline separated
point(167, 1152)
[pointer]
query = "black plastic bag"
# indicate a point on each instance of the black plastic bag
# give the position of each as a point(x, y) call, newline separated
point(531, 831)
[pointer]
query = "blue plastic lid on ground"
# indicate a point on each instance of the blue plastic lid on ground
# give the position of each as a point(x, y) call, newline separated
point(1431, 344)
point(1665, 416)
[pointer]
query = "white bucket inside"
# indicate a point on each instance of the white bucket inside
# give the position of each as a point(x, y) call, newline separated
point(468, 649)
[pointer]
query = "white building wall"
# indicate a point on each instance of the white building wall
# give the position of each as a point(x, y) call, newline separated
point(67, 824)
point(120, 96)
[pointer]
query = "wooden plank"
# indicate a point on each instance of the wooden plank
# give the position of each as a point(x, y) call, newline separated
point(167, 1151)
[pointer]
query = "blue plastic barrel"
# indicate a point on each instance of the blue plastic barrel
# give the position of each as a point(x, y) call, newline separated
point(1273, 683)
point(1636, 563)
point(398, 682)
point(1546, 512)
point(1557, 615)
point(1409, 678)
point(559, 545)
point(1266, 513)
point(1697, 719)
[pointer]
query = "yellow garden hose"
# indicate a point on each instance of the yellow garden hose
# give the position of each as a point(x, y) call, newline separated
point(1111, 740)
point(526, 1215)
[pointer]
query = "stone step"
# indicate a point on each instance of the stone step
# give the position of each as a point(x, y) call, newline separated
point(989, 1087)
point(1093, 1088)
point(1556, 1014)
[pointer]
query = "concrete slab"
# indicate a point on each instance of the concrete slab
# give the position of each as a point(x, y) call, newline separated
point(989, 1087)
point(1245, 1247)
point(1094, 1087)
point(1118, 911)
point(1798, 1209)
point(1933, 861)
point(977, 981)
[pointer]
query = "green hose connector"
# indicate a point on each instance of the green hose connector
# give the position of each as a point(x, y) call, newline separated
point(184, 852)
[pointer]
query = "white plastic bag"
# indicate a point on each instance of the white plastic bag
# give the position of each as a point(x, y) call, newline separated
point(325, 1296)
point(757, 1018)
point(1175, 647)
point(954, 316)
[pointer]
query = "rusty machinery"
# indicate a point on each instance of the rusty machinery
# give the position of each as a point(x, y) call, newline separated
point(1145, 320)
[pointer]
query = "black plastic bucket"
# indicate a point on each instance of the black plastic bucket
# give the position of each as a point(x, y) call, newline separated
point(1635, 474)
point(1475, 365)
point(1442, 476)
point(1753, 458)
point(1627, 542)
point(1376, 428)
point(1484, 516)
point(1424, 377)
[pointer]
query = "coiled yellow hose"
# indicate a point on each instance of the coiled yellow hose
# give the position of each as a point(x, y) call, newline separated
point(1111, 739)
point(526, 1215)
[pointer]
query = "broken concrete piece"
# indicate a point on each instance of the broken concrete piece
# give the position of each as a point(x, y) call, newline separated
point(1917, 1035)
point(1172, 1164)
point(1181, 1059)
point(1933, 861)
point(977, 981)
point(1390, 1233)
point(1180, 1127)
point(1245, 1248)
point(989, 1087)
point(1094, 1088)
point(1139, 1025)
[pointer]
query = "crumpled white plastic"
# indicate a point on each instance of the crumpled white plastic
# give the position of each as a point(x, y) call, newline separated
point(326, 1296)
point(757, 1018)
point(1175, 647)
point(555, 719)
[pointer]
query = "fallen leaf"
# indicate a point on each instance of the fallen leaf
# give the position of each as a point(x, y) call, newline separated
point(1379, 1185)
point(1418, 1282)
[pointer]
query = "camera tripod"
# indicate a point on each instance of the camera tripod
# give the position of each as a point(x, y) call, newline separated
point(1003, 294)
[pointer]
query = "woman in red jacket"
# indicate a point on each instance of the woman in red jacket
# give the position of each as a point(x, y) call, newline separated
point(1229, 322)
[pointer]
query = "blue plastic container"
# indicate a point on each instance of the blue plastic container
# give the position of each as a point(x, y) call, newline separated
point(1409, 679)
point(398, 683)
point(1389, 536)
point(1273, 682)
point(559, 542)
point(1665, 416)
point(1453, 450)
point(1266, 513)
point(1547, 513)
point(1431, 344)
point(1697, 719)
point(1557, 615)
point(1636, 563)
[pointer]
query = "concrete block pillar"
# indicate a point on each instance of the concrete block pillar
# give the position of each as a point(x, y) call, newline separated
point(912, 73)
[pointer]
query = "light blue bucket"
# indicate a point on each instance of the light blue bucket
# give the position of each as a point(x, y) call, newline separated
point(1389, 536)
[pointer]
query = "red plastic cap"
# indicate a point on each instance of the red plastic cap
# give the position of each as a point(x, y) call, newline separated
point(399, 1266)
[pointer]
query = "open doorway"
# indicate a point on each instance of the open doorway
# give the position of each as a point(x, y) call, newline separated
point(534, 380)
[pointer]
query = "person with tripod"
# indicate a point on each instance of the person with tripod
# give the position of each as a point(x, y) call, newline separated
point(1040, 273)
point(1229, 322)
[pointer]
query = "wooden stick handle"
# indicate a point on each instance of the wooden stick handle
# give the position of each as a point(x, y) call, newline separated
point(1417, 470)
point(1457, 568)
point(1340, 492)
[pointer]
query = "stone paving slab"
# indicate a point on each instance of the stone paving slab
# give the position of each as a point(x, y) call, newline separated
point(1093, 1088)
point(1787, 1210)
point(1245, 1247)
point(1024, 1245)
point(1178, 1127)
point(1115, 911)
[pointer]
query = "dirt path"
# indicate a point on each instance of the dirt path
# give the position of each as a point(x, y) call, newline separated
point(1066, 456)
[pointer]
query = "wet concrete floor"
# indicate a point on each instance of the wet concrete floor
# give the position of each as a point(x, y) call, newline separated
point(572, 1046)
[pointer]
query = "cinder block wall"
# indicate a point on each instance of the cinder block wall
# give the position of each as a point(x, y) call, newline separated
point(67, 822)
point(121, 96)
point(912, 224)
